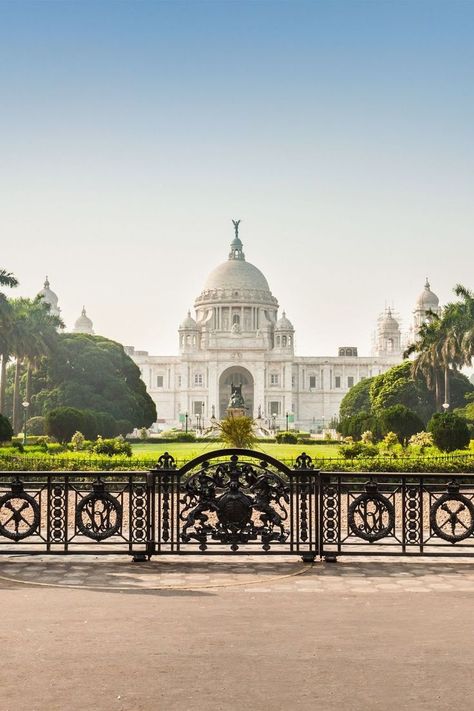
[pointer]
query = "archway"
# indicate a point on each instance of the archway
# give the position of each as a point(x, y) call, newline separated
point(238, 376)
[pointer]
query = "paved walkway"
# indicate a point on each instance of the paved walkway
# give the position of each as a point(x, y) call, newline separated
point(226, 633)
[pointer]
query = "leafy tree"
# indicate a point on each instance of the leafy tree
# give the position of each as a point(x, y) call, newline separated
point(357, 399)
point(124, 427)
point(36, 426)
point(6, 430)
point(354, 425)
point(237, 432)
point(93, 373)
point(400, 420)
point(63, 422)
point(449, 431)
point(400, 386)
point(90, 428)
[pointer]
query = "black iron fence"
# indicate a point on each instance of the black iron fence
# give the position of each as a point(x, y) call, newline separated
point(237, 501)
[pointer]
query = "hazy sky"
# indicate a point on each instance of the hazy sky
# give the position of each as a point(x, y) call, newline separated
point(340, 133)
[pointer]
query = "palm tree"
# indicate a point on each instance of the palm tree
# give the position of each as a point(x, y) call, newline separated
point(428, 362)
point(445, 342)
point(33, 335)
point(8, 280)
point(466, 346)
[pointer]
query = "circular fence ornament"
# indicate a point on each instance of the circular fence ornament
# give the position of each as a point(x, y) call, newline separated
point(452, 516)
point(99, 515)
point(371, 516)
point(19, 514)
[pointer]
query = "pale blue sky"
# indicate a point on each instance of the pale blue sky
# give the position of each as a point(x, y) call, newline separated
point(341, 133)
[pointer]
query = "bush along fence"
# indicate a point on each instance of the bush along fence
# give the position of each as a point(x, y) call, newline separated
point(456, 463)
point(237, 501)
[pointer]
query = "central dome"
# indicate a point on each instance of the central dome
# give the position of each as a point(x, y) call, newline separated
point(236, 274)
point(236, 280)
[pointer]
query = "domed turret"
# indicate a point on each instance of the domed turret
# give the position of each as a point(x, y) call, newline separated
point(188, 334)
point(388, 338)
point(188, 323)
point(284, 335)
point(284, 324)
point(50, 298)
point(427, 299)
point(426, 303)
point(83, 324)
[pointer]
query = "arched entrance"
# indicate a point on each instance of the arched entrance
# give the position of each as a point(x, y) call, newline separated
point(238, 376)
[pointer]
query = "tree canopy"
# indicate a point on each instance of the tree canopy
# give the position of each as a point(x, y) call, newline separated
point(357, 399)
point(400, 386)
point(92, 373)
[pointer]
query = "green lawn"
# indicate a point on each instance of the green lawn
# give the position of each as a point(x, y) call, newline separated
point(188, 450)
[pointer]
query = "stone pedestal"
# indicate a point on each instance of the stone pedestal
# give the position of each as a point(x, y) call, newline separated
point(236, 412)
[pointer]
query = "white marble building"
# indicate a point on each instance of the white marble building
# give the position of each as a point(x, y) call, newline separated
point(237, 335)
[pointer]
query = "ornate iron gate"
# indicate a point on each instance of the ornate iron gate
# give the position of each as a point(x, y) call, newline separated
point(236, 501)
point(232, 501)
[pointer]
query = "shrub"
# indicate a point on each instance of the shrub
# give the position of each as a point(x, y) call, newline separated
point(6, 430)
point(36, 426)
point(400, 420)
point(106, 424)
point(184, 437)
point(77, 441)
point(355, 425)
point(449, 431)
point(237, 432)
point(55, 448)
point(112, 447)
point(143, 434)
point(353, 450)
point(89, 425)
point(286, 438)
point(367, 437)
point(421, 440)
point(390, 440)
point(63, 422)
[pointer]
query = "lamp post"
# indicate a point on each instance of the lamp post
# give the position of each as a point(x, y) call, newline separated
point(198, 423)
point(287, 416)
point(445, 406)
point(26, 405)
point(186, 417)
point(274, 421)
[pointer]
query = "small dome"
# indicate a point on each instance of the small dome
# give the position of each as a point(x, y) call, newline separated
point(50, 298)
point(83, 324)
point(427, 300)
point(188, 323)
point(388, 322)
point(284, 324)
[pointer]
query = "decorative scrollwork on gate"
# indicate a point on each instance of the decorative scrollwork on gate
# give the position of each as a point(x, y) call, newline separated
point(234, 502)
point(139, 514)
point(330, 514)
point(304, 461)
point(19, 513)
point(58, 508)
point(99, 515)
point(452, 515)
point(371, 516)
point(412, 515)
